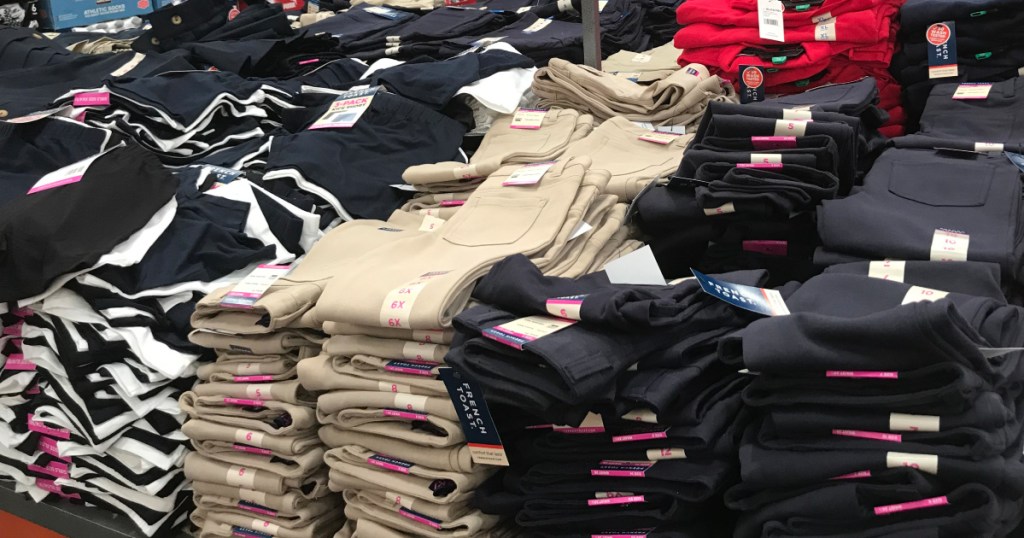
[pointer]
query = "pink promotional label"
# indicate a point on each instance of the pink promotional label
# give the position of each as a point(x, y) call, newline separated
point(404, 414)
point(36, 426)
point(309, 61)
point(92, 99)
point(578, 431)
point(420, 518)
point(773, 142)
point(251, 449)
point(47, 445)
point(257, 509)
point(23, 312)
point(54, 468)
point(639, 437)
point(252, 378)
point(17, 362)
point(243, 402)
point(915, 505)
point(616, 500)
point(862, 374)
point(52, 487)
point(876, 436)
point(452, 203)
point(759, 165)
point(851, 476)
point(767, 246)
point(14, 330)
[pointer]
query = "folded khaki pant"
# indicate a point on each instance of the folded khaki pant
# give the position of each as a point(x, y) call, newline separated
point(367, 528)
point(422, 282)
point(586, 197)
point(278, 343)
point(376, 506)
point(433, 201)
point(350, 468)
point(455, 458)
point(284, 303)
point(648, 66)
point(101, 45)
point(203, 469)
point(299, 518)
point(364, 373)
point(297, 467)
point(345, 400)
point(200, 431)
point(440, 432)
point(584, 254)
point(267, 419)
point(290, 503)
point(633, 163)
point(220, 524)
point(503, 145)
point(283, 391)
point(351, 345)
point(430, 336)
point(280, 367)
point(595, 216)
point(679, 99)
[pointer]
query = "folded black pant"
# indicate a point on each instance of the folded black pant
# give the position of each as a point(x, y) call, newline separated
point(782, 189)
point(993, 119)
point(646, 511)
point(969, 278)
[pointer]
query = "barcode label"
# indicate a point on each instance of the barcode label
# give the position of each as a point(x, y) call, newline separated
point(770, 22)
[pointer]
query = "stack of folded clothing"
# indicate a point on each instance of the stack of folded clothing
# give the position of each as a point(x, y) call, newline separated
point(223, 109)
point(662, 449)
point(884, 407)
point(660, 20)
point(679, 99)
point(538, 38)
point(988, 46)
point(822, 43)
point(100, 316)
point(426, 35)
point(259, 465)
point(621, 22)
point(744, 193)
point(643, 67)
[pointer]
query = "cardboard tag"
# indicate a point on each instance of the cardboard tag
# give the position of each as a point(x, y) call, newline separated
point(720, 210)
point(537, 26)
point(770, 24)
point(67, 175)
point(858, 474)
point(751, 84)
point(36, 116)
point(972, 90)
point(625, 499)
point(767, 247)
point(949, 246)
point(39, 427)
point(657, 137)
point(641, 58)
point(638, 267)
point(346, 109)
point(901, 422)
point(887, 270)
point(420, 518)
point(941, 38)
point(791, 127)
point(773, 142)
point(253, 286)
point(485, 446)
point(431, 223)
point(861, 374)
point(988, 147)
point(528, 174)
point(923, 462)
point(518, 333)
point(398, 303)
point(257, 509)
point(566, 307)
point(917, 294)
point(760, 300)
point(528, 118)
point(16, 363)
point(916, 505)
point(797, 114)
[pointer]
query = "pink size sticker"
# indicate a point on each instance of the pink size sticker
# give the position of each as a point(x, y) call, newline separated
point(915, 505)
point(876, 436)
point(452, 203)
point(52, 487)
point(309, 61)
point(92, 99)
point(251, 449)
point(767, 247)
point(580, 430)
point(420, 518)
point(773, 142)
point(257, 509)
point(616, 500)
point(23, 312)
point(759, 165)
point(33, 390)
point(639, 437)
point(47, 445)
point(862, 374)
point(54, 468)
point(850, 476)
point(14, 330)
point(36, 426)
point(252, 378)
point(397, 413)
point(16, 361)
point(243, 402)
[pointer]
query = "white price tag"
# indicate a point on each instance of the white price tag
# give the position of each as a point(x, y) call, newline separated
point(949, 246)
point(253, 286)
point(528, 174)
point(72, 173)
point(988, 147)
point(917, 294)
point(659, 138)
point(967, 91)
point(887, 270)
point(791, 127)
point(537, 26)
point(528, 118)
point(769, 20)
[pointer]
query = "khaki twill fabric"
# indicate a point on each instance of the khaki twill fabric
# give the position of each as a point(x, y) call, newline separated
point(441, 267)
point(299, 518)
point(324, 373)
point(592, 243)
point(454, 459)
point(647, 66)
point(342, 400)
point(633, 163)
point(219, 524)
point(590, 191)
point(283, 391)
point(199, 431)
point(444, 433)
point(348, 346)
point(288, 503)
point(278, 343)
point(503, 145)
point(291, 467)
point(214, 408)
point(430, 336)
point(679, 99)
point(228, 366)
point(291, 296)
point(377, 507)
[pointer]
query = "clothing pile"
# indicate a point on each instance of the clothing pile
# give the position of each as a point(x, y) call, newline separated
point(744, 193)
point(978, 39)
point(798, 45)
point(259, 465)
point(881, 412)
point(631, 421)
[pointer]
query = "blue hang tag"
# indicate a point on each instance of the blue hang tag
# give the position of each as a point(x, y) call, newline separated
point(761, 300)
point(941, 38)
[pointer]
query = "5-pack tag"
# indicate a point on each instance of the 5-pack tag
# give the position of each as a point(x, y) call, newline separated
point(751, 84)
point(941, 38)
point(346, 109)
point(485, 446)
point(253, 286)
point(763, 301)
